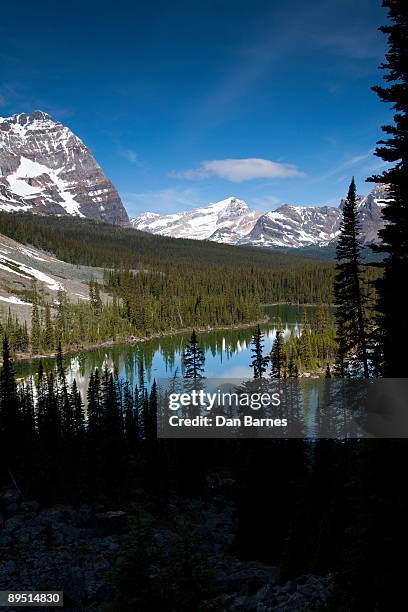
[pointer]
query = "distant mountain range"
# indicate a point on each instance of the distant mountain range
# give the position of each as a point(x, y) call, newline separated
point(45, 168)
point(231, 221)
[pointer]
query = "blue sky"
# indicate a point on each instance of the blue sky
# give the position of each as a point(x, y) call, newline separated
point(187, 102)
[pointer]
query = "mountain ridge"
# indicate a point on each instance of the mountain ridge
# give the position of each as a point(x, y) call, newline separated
point(232, 221)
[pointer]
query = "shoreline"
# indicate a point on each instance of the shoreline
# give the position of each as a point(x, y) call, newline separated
point(28, 357)
point(24, 357)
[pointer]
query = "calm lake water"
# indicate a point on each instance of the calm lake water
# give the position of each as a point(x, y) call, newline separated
point(227, 355)
point(227, 352)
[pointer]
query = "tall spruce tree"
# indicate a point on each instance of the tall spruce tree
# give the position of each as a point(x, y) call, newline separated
point(393, 323)
point(35, 326)
point(193, 359)
point(48, 340)
point(348, 289)
point(259, 361)
point(277, 356)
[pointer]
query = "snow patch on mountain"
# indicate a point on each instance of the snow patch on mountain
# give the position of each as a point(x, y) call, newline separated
point(27, 181)
point(12, 299)
point(22, 269)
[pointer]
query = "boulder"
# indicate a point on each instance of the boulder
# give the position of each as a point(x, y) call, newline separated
point(13, 523)
point(110, 523)
point(5, 539)
point(30, 506)
point(11, 509)
point(9, 496)
point(74, 585)
point(84, 516)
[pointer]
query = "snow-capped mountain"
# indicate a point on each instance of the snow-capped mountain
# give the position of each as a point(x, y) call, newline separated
point(295, 226)
point(232, 221)
point(226, 221)
point(45, 168)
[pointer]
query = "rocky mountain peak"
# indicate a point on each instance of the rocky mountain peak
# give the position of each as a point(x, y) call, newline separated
point(45, 168)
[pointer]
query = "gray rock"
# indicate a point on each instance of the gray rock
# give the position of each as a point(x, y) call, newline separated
point(163, 537)
point(27, 534)
point(110, 523)
point(13, 523)
point(104, 593)
point(84, 516)
point(289, 587)
point(5, 540)
point(69, 533)
point(30, 506)
point(9, 567)
point(74, 585)
point(9, 496)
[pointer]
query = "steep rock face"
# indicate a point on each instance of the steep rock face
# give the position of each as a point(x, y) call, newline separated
point(232, 221)
point(295, 226)
point(45, 168)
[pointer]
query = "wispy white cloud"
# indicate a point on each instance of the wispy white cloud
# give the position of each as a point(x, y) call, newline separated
point(347, 166)
point(356, 159)
point(377, 165)
point(355, 43)
point(129, 154)
point(163, 201)
point(238, 170)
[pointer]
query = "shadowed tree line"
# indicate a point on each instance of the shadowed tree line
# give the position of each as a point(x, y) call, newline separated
point(54, 452)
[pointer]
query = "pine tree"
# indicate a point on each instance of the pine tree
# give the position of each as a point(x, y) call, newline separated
point(61, 316)
point(130, 423)
point(150, 415)
point(28, 417)
point(77, 411)
point(94, 410)
point(112, 431)
point(259, 362)
point(41, 399)
point(48, 338)
point(193, 359)
point(35, 327)
point(277, 356)
point(10, 416)
point(65, 403)
point(112, 423)
point(393, 323)
point(292, 368)
point(348, 290)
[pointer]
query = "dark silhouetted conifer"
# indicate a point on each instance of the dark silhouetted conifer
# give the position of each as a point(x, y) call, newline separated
point(193, 359)
point(348, 289)
point(259, 361)
point(393, 322)
point(277, 356)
